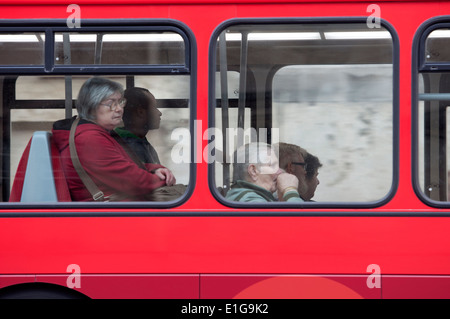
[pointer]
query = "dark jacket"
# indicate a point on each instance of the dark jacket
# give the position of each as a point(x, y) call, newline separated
point(143, 149)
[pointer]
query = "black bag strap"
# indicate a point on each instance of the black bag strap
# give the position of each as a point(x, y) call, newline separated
point(96, 193)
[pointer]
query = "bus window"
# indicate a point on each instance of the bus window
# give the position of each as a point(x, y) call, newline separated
point(326, 87)
point(24, 48)
point(432, 115)
point(147, 48)
point(32, 101)
point(174, 115)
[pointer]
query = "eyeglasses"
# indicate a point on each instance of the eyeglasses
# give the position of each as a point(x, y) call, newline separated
point(112, 103)
point(300, 164)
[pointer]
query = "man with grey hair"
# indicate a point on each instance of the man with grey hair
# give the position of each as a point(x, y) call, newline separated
point(257, 176)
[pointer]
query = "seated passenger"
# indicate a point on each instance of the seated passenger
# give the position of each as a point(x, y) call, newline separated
point(297, 161)
point(140, 116)
point(100, 106)
point(257, 176)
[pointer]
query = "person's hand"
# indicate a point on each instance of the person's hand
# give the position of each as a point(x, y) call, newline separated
point(285, 182)
point(166, 174)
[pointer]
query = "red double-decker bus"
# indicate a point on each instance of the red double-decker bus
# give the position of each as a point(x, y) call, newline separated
point(362, 86)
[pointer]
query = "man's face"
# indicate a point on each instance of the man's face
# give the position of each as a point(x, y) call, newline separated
point(153, 115)
point(312, 185)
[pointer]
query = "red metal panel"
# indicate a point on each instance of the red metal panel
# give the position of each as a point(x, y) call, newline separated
point(129, 286)
point(285, 287)
point(196, 245)
point(416, 287)
point(9, 280)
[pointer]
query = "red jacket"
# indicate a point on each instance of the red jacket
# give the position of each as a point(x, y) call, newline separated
point(105, 161)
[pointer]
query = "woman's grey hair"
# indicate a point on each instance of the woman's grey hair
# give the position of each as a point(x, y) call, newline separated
point(92, 93)
point(252, 153)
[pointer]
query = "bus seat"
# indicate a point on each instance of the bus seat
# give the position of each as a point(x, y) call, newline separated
point(39, 176)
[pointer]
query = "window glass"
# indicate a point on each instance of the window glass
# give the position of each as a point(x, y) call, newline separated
point(119, 48)
point(327, 88)
point(171, 93)
point(343, 113)
point(433, 130)
point(25, 48)
point(437, 46)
